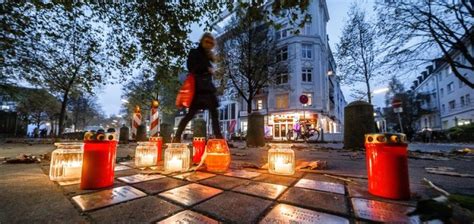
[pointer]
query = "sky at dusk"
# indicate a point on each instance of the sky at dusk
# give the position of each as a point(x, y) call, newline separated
point(110, 96)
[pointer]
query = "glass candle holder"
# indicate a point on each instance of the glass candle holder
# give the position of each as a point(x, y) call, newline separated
point(177, 157)
point(66, 162)
point(281, 159)
point(199, 146)
point(146, 154)
point(159, 146)
point(217, 155)
point(99, 160)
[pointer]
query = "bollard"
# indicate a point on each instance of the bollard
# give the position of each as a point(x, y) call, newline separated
point(124, 135)
point(387, 165)
point(358, 121)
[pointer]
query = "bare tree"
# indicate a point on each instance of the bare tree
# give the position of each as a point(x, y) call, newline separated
point(247, 51)
point(416, 32)
point(358, 53)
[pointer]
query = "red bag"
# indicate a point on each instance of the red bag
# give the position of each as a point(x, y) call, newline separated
point(186, 93)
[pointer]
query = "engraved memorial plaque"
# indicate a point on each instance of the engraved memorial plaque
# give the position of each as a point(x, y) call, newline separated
point(188, 217)
point(70, 182)
point(382, 211)
point(284, 213)
point(107, 197)
point(190, 194)
point(321, 186)
point(139, 178)
point(242, 174)
point(194, 176)
point(121, 167)
point(266, 190)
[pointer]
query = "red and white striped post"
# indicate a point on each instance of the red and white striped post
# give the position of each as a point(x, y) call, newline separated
point(154, 119)
point(136, 121)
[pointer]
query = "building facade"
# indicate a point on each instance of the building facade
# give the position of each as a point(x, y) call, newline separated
point(446, 97)
point(311, 71)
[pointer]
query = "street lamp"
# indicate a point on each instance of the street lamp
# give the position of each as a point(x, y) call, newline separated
point(124, 101)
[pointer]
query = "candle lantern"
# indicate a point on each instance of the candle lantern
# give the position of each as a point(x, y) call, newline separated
point(159, 146)
point(99, 160)
point(177, 157)
point(66, 162)
point(146, 154)
point(281, 159)
point(199, 146)
point(217, 155)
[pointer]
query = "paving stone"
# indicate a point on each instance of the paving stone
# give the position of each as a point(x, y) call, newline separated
point(190, 194)
point(143, 210)
point(242, 174)
point(362, 191)
point(316, 200)
point(276, 179)
point(321, 186)
point(137, 178)
point(194, 176)
point(297, 174)
point(284, 213)
point(71, 190)
point(157, 186)
point(234, 207)
point(224, 182)
point(189, 216)
point(120, 167)
point(266, 190)
point(106, 198)
point(122, 173)
point(321, 177)
point(382, 212)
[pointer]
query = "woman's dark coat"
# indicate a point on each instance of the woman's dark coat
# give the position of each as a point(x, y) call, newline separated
point(205, 92)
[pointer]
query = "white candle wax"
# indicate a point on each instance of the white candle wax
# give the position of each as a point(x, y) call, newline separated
point(281, 167)
point(147, 160)
point(175, 164)
point(72, 171)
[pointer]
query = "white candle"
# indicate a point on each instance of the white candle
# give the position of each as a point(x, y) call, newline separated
point(175, 164)
point(281, 167)
point(147, 160)
point(72, 171)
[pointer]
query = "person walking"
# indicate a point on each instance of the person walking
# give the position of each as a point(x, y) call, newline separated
point(199, 64)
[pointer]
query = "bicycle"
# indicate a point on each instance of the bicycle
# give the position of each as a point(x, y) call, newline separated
point(305, 133)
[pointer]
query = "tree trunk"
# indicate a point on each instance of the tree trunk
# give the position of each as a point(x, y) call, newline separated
point(249, 106)
point(369, 94)
point(62, 114)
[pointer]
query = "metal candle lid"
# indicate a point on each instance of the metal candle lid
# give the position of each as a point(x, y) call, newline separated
point(386, 138)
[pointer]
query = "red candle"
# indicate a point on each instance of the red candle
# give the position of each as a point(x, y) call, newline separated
point(199, 145)
point(159, 147)
point(98, 164)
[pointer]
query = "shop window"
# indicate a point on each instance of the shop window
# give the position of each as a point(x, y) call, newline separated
point(310, 99)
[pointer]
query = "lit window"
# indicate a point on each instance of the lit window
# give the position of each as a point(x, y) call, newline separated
point(282, 78)
point(282, 101)
point(306, 74)
point(310, 99)
point(282, 54)
point(306, 51)
point(259, 104)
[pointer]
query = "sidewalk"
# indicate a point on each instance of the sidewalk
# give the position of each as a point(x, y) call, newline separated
point(239, 196)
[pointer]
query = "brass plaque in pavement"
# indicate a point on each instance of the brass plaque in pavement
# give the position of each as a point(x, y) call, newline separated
point(121, 167)
point(140, 178)
point(188, 217)
point(190, 194)
point(70, 182)
point(382, 211)
point(284, 213)
point(242, 174)
point(321, 186)
point(107, 197)
point(266, 190)
point(194, 176)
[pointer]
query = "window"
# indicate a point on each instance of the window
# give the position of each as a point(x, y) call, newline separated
point(282, 33)
point(232, 111)
point(282, 101)
point(282, 54)
point(226, 113)
point(259, 104)
point(306, 30)
point(310, 99)
point(221, 114)
point(441, 92)
point(452, 104)
point(440, 76)
point(443, 108)
point(450, 87)
point(468, 99)
point(306, 74)
point(282, 78)
point(463, 102)
point(306, 51)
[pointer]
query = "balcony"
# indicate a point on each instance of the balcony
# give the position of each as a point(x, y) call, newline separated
point(457, 109)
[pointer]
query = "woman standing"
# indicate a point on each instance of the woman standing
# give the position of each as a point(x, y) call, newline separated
point(199, 64)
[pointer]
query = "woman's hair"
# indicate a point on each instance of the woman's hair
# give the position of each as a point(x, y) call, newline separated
point(209, 53)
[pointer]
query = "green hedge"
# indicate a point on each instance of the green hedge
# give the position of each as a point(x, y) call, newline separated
point(463, 133)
